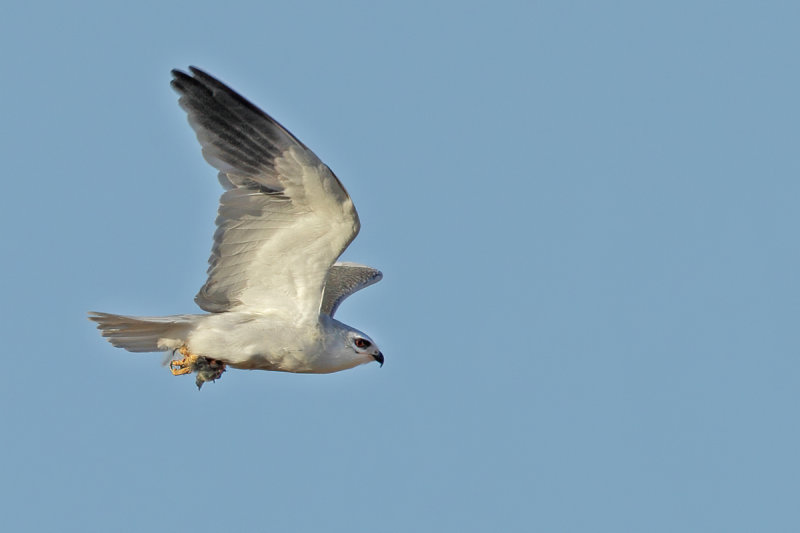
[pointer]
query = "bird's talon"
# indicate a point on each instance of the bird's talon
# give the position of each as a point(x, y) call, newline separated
point(207, 369)
point(185, 365)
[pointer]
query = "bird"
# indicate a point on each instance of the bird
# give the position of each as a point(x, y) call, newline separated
point(274, 280)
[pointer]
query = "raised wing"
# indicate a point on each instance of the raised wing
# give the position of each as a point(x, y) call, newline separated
point(284, 218)
point(343, 280)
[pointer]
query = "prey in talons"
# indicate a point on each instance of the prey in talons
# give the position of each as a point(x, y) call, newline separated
point(207, 369)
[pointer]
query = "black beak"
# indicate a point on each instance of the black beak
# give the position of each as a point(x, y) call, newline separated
point(379, 357)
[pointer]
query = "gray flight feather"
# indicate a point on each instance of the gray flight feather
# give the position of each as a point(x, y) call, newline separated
point(281, 206)
point(343, 280)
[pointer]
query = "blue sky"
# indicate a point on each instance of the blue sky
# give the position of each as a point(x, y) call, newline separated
point(586, 214)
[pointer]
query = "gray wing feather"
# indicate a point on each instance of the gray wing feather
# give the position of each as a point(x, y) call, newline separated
point(237, 137)
point(284, 217)
point(343, 280)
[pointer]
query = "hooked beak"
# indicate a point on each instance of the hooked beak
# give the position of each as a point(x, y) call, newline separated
point(379, 357)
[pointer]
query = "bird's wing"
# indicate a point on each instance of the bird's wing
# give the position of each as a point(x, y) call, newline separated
point(343, 280)
point(284, 218)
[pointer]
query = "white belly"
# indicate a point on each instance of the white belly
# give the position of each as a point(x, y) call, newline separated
point(256, 341)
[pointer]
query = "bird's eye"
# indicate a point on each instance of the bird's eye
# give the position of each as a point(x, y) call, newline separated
point(362, 343)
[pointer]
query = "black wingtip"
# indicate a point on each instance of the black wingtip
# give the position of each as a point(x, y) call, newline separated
point(210, 82)
point(179, 74)
point(179, 79)
point(197, 78)
point(193, 73)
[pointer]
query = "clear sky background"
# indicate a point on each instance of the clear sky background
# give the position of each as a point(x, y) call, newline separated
point(587, 218)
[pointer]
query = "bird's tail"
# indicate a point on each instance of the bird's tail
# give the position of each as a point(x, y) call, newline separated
point(144, 333)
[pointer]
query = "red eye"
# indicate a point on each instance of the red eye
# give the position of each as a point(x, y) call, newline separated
point(362, 343)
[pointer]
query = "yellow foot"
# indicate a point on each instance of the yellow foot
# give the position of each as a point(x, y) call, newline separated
point(185, 365)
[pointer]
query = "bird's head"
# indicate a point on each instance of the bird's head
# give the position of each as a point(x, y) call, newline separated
point(363, 345)
point(345, 346)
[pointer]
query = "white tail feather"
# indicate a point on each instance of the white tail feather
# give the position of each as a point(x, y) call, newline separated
point(144, 333)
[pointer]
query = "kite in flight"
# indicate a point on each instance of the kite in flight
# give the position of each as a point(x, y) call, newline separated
point(273, 281)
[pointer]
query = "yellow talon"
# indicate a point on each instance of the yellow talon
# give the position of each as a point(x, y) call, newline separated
point(185, 365)
point(180, 370)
